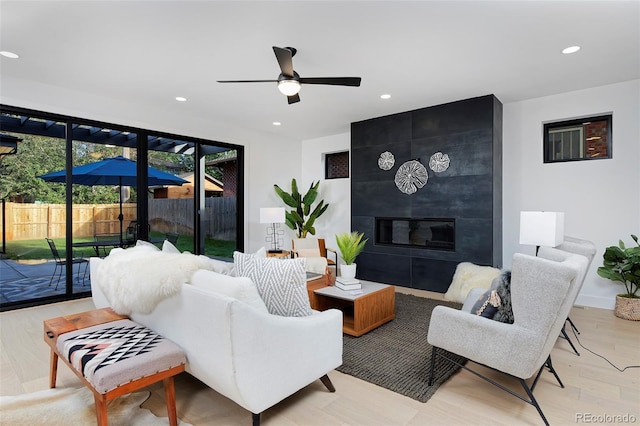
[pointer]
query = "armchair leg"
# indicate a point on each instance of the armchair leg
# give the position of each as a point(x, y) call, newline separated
point(549, 365)
point(573, 326)
point(532, 400)
point(326, 381)
point(566, 337)
point(255, 418)
point(433, 365)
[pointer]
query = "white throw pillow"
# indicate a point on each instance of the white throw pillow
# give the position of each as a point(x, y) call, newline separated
point(219, 266)
point(468, 276)
point(240, 288)
point(282, 283)
point(146, 245)
point(261, 253)
point(168, 247)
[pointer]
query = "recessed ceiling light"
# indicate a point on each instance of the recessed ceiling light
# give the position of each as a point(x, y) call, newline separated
point(276, 123)
point(181, 99)
point(8, 54)
point(570, 49)
point(385, 96)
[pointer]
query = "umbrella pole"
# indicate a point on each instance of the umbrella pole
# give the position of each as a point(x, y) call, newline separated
point(120, 216)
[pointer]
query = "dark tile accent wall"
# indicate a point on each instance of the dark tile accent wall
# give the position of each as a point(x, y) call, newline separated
point(470, 190)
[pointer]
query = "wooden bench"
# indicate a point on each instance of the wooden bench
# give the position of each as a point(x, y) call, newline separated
point(113, 356)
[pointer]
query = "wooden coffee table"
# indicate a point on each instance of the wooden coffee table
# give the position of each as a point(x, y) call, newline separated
point(363, 312)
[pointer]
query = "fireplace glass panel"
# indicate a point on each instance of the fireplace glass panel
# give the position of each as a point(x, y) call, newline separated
point(423, 232)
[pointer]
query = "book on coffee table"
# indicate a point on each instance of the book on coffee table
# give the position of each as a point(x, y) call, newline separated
point(347, 283)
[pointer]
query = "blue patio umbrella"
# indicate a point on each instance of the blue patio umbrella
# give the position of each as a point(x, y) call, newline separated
point(112, 171)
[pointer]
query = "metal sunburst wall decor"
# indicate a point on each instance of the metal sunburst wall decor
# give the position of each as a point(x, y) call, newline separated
point(411, 176)
point(386, 160)
point(439, 162)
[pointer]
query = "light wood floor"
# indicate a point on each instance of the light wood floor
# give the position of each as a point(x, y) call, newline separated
point(592, 385)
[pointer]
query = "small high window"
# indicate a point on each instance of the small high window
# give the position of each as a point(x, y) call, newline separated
point(337, 165)
point(582, 139)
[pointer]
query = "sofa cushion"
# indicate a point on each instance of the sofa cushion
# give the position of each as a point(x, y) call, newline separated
point(468, 276)
point(240, 288)
point(168, 247)
point(487, 304)
point(282, 283)
point(502, 286)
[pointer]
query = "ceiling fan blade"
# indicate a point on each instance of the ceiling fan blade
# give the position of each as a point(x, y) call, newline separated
point(247, 81)
point(285, 60)
point(334, 81)
point(293, 99)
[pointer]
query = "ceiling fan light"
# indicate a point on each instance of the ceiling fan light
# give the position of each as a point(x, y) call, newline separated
point(289, 87)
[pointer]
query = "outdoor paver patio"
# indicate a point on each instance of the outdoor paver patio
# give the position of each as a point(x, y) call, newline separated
point(21, 281)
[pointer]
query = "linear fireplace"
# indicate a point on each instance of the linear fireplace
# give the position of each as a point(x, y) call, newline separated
point(428, 233)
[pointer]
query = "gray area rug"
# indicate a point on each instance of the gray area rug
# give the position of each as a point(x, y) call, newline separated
point(396, 356)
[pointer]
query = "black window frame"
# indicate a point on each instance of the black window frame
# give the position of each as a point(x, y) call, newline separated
point(549, 128)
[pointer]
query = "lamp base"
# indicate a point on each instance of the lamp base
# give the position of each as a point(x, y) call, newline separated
point(274, 251)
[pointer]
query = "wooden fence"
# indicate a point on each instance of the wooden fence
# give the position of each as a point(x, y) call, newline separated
point(33, 221)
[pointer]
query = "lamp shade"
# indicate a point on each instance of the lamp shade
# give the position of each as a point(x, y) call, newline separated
point(542, 228)
point(272, 215)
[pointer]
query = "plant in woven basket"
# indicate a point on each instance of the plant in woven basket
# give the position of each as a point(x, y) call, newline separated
point(622, 264)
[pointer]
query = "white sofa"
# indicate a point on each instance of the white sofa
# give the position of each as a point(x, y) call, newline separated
point(248, 355)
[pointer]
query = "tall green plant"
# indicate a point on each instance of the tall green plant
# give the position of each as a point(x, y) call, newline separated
point(351, 245)
point(622, 264)
point(302, 218)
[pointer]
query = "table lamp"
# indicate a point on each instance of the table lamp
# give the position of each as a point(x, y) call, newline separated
point(541, 228)
point(275, 216)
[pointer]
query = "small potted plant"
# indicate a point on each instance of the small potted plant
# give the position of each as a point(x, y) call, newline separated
point(622, 264)
point(350, 245)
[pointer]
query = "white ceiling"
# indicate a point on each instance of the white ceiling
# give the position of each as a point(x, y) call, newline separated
point(423, 53)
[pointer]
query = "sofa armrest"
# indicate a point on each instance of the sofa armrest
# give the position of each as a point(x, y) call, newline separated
point(276, 356)
point(485, 341)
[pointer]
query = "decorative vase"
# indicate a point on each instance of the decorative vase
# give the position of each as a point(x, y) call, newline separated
point(627, 308)
point(348, 271)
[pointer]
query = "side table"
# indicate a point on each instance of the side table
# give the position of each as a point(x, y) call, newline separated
point(284, 254)
point(373, 306)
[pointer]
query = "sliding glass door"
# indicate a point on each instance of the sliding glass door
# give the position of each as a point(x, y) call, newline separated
point(86, 215)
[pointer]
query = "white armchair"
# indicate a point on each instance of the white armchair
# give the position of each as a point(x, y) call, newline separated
point(542, 293)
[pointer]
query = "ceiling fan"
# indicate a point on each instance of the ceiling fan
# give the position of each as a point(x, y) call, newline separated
point(289, 81)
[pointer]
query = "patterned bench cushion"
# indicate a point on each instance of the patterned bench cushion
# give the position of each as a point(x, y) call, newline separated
point(112, 354)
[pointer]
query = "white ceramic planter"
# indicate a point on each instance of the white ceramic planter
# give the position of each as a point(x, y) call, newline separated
point(348, 271)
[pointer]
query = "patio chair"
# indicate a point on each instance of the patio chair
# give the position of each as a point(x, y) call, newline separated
point(172, 237)
point(61, 263)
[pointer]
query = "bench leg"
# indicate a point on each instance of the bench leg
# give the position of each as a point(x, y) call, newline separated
point(53, 369)
point(170, 397)
point(101, 409)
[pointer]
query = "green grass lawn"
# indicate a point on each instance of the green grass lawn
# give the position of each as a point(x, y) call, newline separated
point(39, 249)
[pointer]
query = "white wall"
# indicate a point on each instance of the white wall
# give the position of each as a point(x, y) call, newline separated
point(336, 192)
point(600, 198)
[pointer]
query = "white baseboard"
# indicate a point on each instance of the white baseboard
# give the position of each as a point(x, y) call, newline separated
point(596, 302)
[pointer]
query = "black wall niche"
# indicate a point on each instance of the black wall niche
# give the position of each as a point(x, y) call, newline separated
point(469, 191)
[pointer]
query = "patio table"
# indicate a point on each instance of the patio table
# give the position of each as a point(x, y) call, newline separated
point(97, 245)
